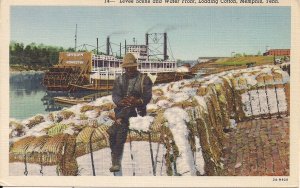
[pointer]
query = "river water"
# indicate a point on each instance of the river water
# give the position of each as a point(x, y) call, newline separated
point(28, 97)
point(26, 94)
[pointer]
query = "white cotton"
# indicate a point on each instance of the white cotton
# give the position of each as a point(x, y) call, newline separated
point(189, 91)
point(104, 119)
point(163, 87)
point(182, 69)
point(36, 131)
point(177, 119)
point(201, 101)
point(227, 78)
point(199, 157)
point(267, 70)
point(69, 131)
point(151, 106)
point(140, 123)
point(213, 80)
point(175, 87)
point(251, 79)
point(102, 100)
point(178, 97)
point(264, 102)
point(164, 104)
point(91, 114)
point(76, 108)
point(233, 123)
point(285, 77)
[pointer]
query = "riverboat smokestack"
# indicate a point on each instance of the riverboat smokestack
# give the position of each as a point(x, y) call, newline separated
point(125, 48)
point(165, 47)
point(147, 39)
point(107, 46)
point(97, 46)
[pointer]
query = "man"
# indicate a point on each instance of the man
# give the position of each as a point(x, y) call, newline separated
point(131, 93)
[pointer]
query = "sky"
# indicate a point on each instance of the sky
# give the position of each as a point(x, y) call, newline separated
point(192, 31)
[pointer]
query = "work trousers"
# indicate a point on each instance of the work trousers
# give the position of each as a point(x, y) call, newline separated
point(117, 138)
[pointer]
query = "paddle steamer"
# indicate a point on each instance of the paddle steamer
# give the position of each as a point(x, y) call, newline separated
point(77, 71)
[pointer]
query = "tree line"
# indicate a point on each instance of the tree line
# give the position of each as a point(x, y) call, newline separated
point(34, 55)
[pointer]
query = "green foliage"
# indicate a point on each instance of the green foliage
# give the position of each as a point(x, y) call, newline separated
point(242, 61)
point(34, 55)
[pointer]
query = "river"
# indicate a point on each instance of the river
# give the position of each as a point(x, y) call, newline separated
point(28, 97)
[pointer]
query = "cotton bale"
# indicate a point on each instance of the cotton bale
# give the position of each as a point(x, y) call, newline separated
point(221, 96)
point(34, 121)
point(106, 107)
point(202, 90)
point(52, 149)
point(86, 108)
point(20, 146)
point(260, 78)
point(34, 149)
point(211, 149)
point(17, 129)
point(215, 117)
point(158, 92)
point(185, 104)
point(56, 128)
point(66, 114)
point(68, 166)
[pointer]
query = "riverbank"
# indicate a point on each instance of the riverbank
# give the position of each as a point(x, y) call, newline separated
point(26, 68)
point(217, 65)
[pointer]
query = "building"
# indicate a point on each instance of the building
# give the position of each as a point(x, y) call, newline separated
point(277, 52)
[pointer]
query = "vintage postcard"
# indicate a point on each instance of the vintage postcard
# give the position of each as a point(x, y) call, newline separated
point(202, 93)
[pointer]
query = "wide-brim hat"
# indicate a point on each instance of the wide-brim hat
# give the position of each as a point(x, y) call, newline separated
point(129, 61)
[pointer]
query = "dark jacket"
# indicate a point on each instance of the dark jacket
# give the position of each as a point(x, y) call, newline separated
point(142, 90)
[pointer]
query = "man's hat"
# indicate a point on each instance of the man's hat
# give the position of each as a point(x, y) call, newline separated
point(129, 61)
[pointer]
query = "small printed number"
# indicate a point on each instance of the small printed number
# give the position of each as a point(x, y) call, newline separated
point(280, 179)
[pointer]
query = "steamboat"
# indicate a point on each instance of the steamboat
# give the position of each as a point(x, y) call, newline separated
point(79, 71)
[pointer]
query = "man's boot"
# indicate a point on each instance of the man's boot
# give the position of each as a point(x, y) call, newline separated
point(116, 164)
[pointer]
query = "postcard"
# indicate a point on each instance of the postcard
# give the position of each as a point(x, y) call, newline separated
point(198, 92)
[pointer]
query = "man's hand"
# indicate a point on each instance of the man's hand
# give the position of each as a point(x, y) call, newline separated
point(119, 121)
point(130, 101)
point(133, 101)
point(124, 102)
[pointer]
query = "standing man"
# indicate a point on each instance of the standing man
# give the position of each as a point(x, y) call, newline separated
point(131, 93)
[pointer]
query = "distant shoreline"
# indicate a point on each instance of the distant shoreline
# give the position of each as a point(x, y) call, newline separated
point(22, 68)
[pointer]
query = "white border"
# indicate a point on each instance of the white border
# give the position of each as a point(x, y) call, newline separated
point(103, 181)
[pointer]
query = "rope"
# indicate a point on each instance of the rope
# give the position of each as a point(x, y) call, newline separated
point(249, 95)
point(267, 97)
point(131, 154)
point(25, 162)
point(275, 88)
point(284, 85)
point(151, 152)
point(258, 99)
point(91, 152)
point(162, 164)
point(157, 150)
point(41, 163)
point(158, 145)
point(232, 89)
